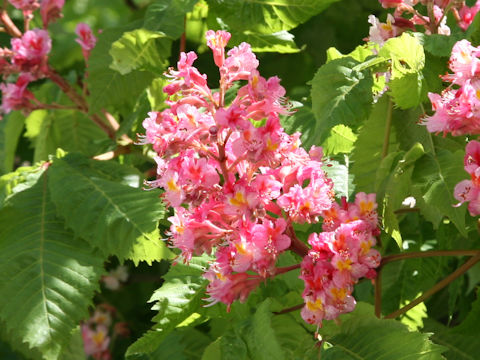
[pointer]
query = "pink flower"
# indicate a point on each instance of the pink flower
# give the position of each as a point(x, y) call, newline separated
point(31, 49)
point(381, 32)
point(16, 96)
point(390, 3)
point(217, 42)
point(51, 10)
point(467, 14)
point(240, 62)
point(86, 39)
point(25, 5)
point(95, 341)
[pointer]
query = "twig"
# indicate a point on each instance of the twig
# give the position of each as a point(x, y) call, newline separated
point(422, 254)
point(297, 246)
point(282, 270)
point(290, 309)
point(10, 27)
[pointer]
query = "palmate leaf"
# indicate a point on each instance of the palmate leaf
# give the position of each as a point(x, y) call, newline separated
point(265, 16)
point(435, 177)
point(49, 275)
point(140, 49)
point(118, 219)
point(109, 88)
point(361, 336)
point(340, 95)
point(168, 16)
point(178, 298)
point(367, 154)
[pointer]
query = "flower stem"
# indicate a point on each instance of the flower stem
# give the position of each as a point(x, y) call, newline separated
point(10, 27)
point(437, 287)
point(283, 270)
point(297, 246)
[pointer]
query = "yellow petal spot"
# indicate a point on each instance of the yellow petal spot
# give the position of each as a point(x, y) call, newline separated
point(238, 199)
point(271, 146)
point(315, 306)
point(339, 294)
point(254, 81)
point(365, 246)
point(172, 185)
point(98, 337)
point(241, 248)
point(344, 264)
point(220, 276)
point(366, 206)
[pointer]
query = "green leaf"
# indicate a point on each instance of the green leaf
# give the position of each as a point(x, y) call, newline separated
point(367, 154)
point(341, 140)
point(303, 121)
point(21, 179)
point(118, 219)
point(265, 16)
point(397, 188)
point(168, 16)
point(279, 42)
point(178, 298)
point(11, 128)
point(362, 336)
point(435, 177)
point(342, 179)
point(438, 45)
point(340, 95)
point(227, 347)
point(408, 60)
point(49, 276)
point(108, 88)
point(140, 49)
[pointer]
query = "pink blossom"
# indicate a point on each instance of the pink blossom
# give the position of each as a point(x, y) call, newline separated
point(31, 49)
point(86, 39)
point(240, 62)
point(381, 32)
point(467, 14)
point(16, 96)
point(25, 5)
point(217, 42)
point(51, 10)
point(95, 341)
point(390, 3)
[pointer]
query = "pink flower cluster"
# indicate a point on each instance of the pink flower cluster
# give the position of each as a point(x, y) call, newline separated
point(28, 56)
point(457, 109)
point(469, 190)
point(236, 180)
point(406, 17)
point(339, 257)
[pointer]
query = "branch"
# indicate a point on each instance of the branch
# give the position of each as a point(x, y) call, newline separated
point(297, 246)
point(437, 287)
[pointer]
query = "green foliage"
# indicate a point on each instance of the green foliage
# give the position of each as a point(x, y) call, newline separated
point(407, 62)
point(435, 176)
point(265, 16)
point(362, 336)
point(175, 301)
point(113, 216)
point(168, 16)
point(281, 42)
point(48, 275)
point(108, 88)
point(140, 50)
point(341, 94)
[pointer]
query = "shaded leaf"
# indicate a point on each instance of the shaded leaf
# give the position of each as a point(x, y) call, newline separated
point(11, 128)
point(49, 275)
point(340, 95)
point(167, 16)
point(178, 298)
